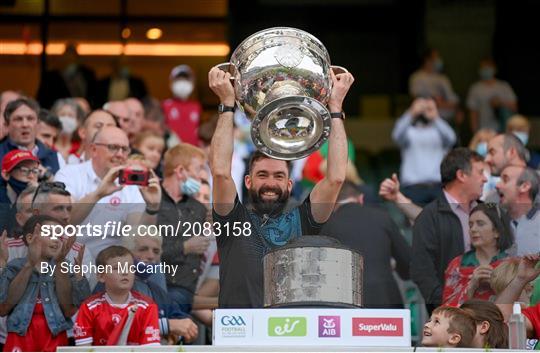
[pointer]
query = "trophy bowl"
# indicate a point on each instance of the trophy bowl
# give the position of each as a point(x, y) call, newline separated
point(282, 82)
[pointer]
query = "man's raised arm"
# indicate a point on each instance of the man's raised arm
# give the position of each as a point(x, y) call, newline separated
point(221, 149)
point(324, 194)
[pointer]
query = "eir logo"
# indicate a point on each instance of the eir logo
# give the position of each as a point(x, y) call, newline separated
point(377, 326)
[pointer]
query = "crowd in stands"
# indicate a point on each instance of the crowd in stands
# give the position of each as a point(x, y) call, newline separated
point(473, 211)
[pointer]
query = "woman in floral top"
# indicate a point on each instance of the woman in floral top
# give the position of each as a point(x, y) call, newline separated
point(468, 275)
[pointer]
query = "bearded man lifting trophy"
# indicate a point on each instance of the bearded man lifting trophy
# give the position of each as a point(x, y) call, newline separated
point(282, 79)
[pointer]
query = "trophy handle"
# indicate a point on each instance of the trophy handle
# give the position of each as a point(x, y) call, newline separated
point(338, 69)
point(228, 67)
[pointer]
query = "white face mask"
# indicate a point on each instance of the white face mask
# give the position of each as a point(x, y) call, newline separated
point(522, 136)
point(69, 124)
point(182, 88)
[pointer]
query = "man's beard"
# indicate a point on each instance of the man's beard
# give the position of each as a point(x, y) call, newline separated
point(268, 207)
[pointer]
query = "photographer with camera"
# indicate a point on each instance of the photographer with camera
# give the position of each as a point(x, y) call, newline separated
point(105, 189)
point(424, 139)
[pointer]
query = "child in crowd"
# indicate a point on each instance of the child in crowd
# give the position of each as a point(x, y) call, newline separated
point(118, 316)
point(40, 299)
point(449, 327)
point(491, 331)
point(151, 146)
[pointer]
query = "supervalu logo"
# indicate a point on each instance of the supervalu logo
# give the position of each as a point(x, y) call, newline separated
point(377, 326)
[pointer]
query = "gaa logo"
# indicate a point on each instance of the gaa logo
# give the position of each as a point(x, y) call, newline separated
point(232, 321)
point(233, 326)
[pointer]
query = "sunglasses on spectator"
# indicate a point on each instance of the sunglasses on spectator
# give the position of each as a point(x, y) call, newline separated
point(114, 148)
point(495, 206)
point(47, 187)
point(27, 171)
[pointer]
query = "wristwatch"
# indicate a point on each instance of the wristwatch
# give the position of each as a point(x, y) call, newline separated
point(339, 115)
point(222, 108)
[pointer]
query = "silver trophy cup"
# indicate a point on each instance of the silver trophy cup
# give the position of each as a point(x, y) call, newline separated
point(282, 82)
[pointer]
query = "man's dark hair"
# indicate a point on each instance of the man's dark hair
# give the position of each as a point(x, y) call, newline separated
point(32, 222)
point(348, 190)
point(531, 176)
point(460, 158)
point(49, 118)
point(17, 103)
point(511, 141)
point(258, 155)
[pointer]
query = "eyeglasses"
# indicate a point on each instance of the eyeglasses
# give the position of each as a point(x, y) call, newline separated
point(46, 187)
point(27, 171)
point(115, 148)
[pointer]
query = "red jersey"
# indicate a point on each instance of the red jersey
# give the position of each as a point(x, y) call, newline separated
point(100, 322)
point(533, 314)
point(183, 118)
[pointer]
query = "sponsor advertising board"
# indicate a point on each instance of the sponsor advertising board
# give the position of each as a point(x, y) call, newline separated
point(312, 327)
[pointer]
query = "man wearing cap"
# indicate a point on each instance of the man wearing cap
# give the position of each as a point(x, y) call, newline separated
point(21, 117)
point(19, 169)
point(182, 115)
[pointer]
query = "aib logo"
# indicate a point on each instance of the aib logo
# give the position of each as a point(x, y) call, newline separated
point(232, 321)
point(329, 326)
point(287, 326)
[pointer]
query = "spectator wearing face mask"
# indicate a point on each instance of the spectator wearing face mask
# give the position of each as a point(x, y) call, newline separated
point(519, 126)
point(183, 165)
point(70, 115)
point(429, 81)
point(182, 115)
point(490, 100)
point(19, 169)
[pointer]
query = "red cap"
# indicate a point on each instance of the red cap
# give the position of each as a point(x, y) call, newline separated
point(13, 158)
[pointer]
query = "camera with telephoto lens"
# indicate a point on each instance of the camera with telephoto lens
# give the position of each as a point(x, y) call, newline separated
point(132, 176)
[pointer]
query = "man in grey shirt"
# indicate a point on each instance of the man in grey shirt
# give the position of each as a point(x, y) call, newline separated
point(517, 190)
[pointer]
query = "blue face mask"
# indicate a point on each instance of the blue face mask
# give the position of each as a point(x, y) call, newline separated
point(17, 185)
point(487, 73)
point(190, 187)
point(522, 136)
point(482, 148)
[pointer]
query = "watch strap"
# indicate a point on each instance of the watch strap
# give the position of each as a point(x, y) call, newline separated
point(339, 115)
point(222, 108)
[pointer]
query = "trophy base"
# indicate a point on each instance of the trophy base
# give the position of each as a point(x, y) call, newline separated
point(291, 127)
